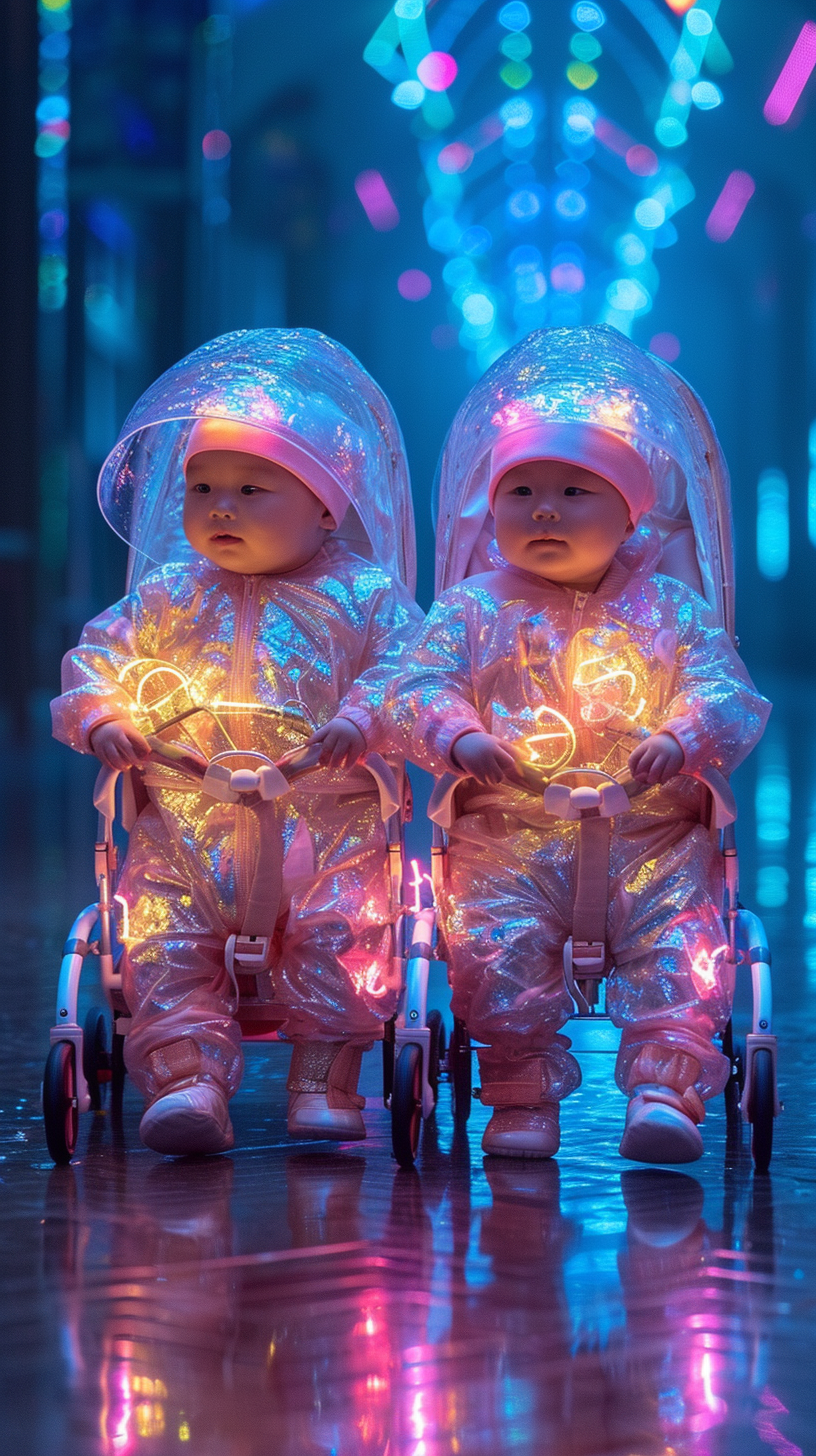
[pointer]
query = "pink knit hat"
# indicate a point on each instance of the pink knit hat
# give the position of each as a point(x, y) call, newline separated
point(592, 446)
point(210, 433)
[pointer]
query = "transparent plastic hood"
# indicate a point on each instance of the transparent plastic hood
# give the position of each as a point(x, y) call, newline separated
point(295, 381)
point(591, 374)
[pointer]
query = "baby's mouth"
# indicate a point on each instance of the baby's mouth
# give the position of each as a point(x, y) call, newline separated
point(225, 538)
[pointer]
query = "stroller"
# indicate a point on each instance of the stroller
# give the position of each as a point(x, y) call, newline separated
point(596, 374)
point(305, 384)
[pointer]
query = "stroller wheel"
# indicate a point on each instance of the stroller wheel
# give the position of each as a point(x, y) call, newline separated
point(118, 1071)
point(96, 1057)
point(406, 1104)
point(60, 1110)
point(459, 1063)
point(437, 1051)
point(761, 1111)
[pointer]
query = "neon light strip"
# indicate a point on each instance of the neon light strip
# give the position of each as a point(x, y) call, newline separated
point(730, 205)
point(793, 77)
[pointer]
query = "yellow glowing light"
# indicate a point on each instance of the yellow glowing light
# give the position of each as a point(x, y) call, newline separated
point(149, 1418)
point(184, 1431)
point(376, 1383)
point(608, 687)
point(554, 745)
point(581, 75)
point(270, 1354)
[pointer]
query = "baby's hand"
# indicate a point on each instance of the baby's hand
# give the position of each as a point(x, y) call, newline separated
point(656, 759)
point(119, 745)
point(483, 757)
point(341, 743)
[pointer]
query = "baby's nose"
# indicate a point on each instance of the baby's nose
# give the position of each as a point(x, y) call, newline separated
point(545, 511)
point(220, 508)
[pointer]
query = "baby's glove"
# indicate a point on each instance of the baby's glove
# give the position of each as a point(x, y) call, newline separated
point(484, 758)
point(341, 742)
point(118, 744)
point(657, 759)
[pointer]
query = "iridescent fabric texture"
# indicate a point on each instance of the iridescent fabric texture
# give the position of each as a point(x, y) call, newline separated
point(580, 679)
point(264, 659)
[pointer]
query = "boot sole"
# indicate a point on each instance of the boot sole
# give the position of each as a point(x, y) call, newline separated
point(508, 1150)
point(187, 1134)
point(653, 1137)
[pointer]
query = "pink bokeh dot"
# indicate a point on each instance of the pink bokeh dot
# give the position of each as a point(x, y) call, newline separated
point(215, 145)
point(456, 157)
point(413, 284)
point(437, 71)
point(642, 161)
point(665, 346)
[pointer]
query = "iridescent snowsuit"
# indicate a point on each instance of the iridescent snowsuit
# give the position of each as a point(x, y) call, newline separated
point(275, 655)
point(508, 652)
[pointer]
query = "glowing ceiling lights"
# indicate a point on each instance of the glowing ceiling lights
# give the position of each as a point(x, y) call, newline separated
point(793, 77)
point(773, 526)
point(730, 205)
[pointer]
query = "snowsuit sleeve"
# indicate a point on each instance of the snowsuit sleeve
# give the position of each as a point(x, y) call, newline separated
point(716, 713)
point(394, 618)
point(432, 701)
point(91, 689)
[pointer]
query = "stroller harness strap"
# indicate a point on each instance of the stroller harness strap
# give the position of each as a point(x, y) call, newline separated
point(591, 879)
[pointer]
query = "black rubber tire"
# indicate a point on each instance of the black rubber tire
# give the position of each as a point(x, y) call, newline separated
point(761, 1111)
point(59, 1096)
point(96, 1057)
point(437, 1050)
point(118, 1071)
point(406, 1104)
point(459, 1064)
point(733, 1087)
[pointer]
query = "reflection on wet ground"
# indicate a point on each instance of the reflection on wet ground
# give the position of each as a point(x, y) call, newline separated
point(297, 1300)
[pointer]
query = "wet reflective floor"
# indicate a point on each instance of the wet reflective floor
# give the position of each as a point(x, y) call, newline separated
point(294, 1299)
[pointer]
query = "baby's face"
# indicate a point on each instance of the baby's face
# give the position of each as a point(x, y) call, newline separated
point(560, 521)
point(247, 514)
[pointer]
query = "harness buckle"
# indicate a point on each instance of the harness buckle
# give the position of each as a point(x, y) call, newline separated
point(248, 954)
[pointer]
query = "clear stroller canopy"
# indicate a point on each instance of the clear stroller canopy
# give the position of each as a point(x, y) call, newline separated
point(294, 381)
point(597, 375)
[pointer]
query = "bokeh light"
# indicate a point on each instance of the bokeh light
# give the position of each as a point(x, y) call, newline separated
point(454, 158)
point(665, 346)
point(408, 95)
point(216, 145)
point(730, 205)
point(514, 16)
point(773, 525)
point(650, 213)
point(570, 204)
point(793, 77)
point(587, 16)
point(413, 284)
point(642, 161)
point(706, 95)
point(437, 71)
point(376, 201)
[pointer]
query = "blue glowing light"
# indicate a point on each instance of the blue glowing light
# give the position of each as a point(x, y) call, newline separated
point(478, 309)
point(699, 22)
point(409, 95)
point(626, 295)
point(53, 108)
point(515, 16)
point(773, 525)
point(650, 213)
point(570, 204)
point(409, 9)
point(579, 121)
point(812, 483)
point(706, 95)
point(587, 16)
point(630, 249)
point(670, 131)
point(524, 204)
point(516, 114)
point(524, 257)
point(475, 241)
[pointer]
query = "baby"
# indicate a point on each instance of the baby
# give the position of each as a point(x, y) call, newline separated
point(572, 650)
point(280, 626)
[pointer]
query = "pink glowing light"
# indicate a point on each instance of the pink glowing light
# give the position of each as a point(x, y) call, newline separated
point(216, 145)
point(793, 77)
point(377, 202)
point(437, 71)
point(419, 879)
point(730, 205)
point(665, 346)
point(567, 278)
point(641, 160)
point(612, 137)
point(413, 284)
point(455, 157)
point(704, 969)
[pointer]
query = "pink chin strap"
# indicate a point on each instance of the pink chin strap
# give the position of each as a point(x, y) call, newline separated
point(595, 448)
point(210, 433)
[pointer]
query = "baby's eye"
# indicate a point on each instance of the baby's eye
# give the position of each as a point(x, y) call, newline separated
point(521, 490)
point(574, 490)
point(201, 489)
point(249, 489)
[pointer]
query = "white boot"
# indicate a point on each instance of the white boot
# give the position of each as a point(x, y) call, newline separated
point(193, 1118)
point(659, 1129)
point(323, 1097)
point(523, 1132)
